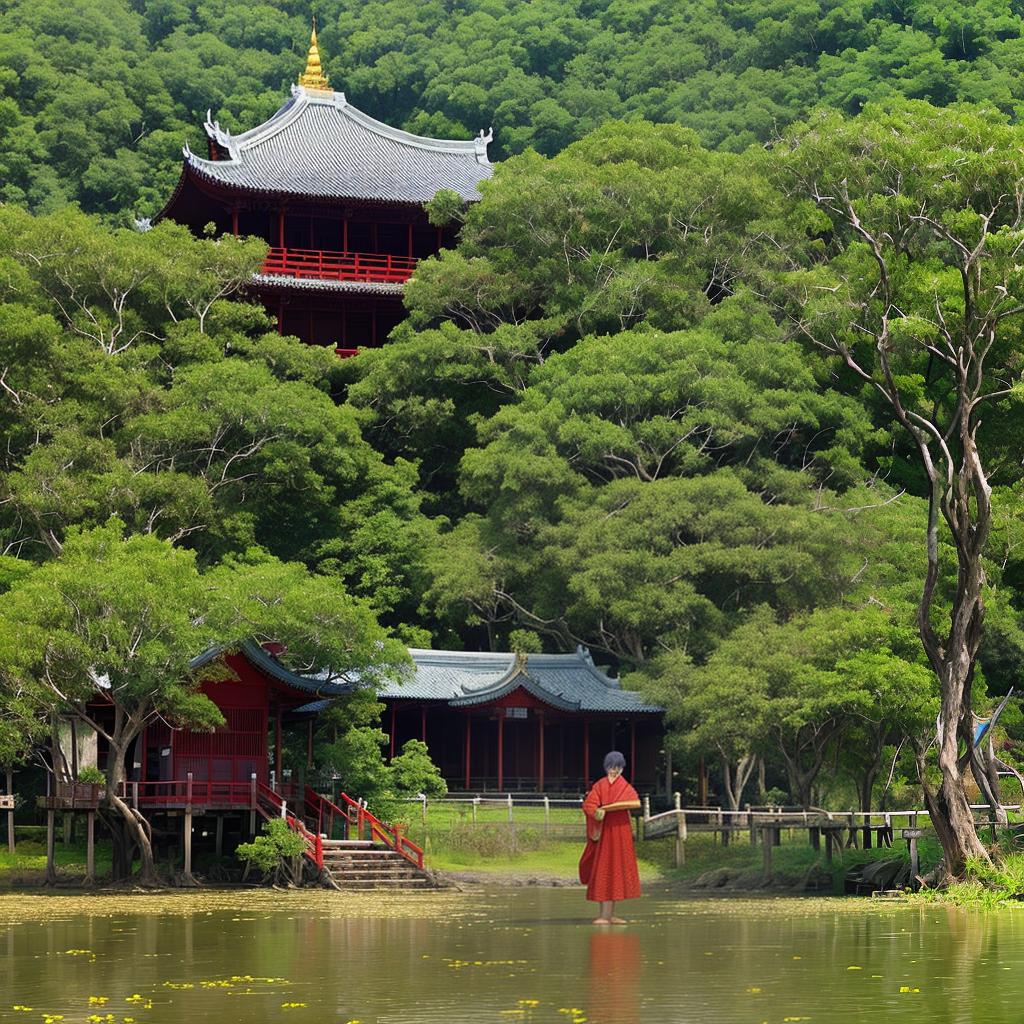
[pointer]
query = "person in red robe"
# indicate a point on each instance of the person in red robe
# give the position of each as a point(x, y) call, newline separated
point(608, 866)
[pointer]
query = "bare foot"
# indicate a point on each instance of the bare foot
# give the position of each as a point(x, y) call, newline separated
point(617, 920)
point(602, 920)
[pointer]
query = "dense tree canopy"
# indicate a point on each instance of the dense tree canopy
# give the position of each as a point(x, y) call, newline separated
point(97, 99)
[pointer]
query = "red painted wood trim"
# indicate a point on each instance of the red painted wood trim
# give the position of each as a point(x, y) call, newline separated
point(501, 752)
point(540, 753)
point(586, 752)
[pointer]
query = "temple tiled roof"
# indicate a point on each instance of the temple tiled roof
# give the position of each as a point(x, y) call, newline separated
point(319, 145)
point(569, 682)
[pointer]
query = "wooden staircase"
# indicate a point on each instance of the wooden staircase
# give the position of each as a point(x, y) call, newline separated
point(362, 864)
point(374, 854)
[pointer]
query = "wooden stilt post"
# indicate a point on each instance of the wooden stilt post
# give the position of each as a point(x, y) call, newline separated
point(51, 827)
point(10, 813)
point(680, 840)
point(188, 828)
point(90, 848)
point(668, 772)
point(767, 843)
point(252, 804)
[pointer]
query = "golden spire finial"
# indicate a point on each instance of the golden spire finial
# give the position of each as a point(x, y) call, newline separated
point(313, 77)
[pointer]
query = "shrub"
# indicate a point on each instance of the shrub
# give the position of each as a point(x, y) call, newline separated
point(274, 853)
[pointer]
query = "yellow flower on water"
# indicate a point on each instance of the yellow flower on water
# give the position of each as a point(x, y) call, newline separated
point(23, 1009)
point(753, 990)
point(98, 1000)
point(907, 988)
point(529, 1002)
point(291, 1006)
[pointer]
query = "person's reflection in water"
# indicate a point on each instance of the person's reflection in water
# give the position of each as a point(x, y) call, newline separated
point(614, 990)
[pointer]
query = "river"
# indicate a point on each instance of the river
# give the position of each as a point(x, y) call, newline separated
point(500, 954)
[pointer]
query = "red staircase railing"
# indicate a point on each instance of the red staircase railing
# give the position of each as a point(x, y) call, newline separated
point(272, 805)
point(317, 264)
point(364, 823)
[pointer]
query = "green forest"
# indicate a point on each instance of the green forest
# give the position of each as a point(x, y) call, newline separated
point(723, 375)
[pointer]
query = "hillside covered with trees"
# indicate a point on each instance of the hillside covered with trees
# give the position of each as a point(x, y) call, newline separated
point(97, 98)
point(677, 395)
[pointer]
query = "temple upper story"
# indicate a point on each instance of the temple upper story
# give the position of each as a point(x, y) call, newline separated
point(338, 197)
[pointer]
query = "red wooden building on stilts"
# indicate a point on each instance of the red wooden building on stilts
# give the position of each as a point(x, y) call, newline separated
point(339, 197)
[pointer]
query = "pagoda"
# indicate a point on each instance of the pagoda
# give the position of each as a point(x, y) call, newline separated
point(339, 198)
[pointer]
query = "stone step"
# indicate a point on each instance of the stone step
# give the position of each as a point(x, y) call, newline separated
point(352, 844)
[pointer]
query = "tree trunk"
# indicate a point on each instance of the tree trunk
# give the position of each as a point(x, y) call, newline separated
point(128, 827)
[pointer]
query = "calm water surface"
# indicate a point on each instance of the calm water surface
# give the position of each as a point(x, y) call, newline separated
point(501, 955)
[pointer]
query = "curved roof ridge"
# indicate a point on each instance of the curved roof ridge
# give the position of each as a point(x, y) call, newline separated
point(516, 679)
point(477, 145)
point(581, 657)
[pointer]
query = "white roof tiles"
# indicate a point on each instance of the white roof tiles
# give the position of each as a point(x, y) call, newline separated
point(319, 145)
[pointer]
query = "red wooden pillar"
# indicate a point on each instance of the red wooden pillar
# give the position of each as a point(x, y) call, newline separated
point(234, 221)
point(469, 736)
point(540, 752)
point(277, 745)
point(586, 752)
point(501, 749)
point(410, 241)
point(632, 750)
point(391, 755)
point(280, 228)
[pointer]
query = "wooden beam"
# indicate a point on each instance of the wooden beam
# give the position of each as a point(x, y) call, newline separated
point(501, 749)
point(586, 752)
point(10, 813)
point(51, 827)
point(277, 745)
point(90, 848)
point(540, 752)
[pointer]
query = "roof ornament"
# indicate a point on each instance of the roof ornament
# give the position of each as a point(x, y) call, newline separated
point(313, 77)
point(521, 659)
point(480, 144)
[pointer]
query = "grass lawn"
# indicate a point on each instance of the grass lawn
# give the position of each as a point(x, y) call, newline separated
point(27, 864)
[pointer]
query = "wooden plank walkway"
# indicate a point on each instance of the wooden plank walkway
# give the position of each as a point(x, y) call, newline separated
point(840, 829)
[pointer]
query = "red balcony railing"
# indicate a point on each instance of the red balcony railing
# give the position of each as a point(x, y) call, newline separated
point(338, 266)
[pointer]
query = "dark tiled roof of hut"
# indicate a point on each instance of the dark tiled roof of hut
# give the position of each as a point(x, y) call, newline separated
point(570, 682)
point(319, 145)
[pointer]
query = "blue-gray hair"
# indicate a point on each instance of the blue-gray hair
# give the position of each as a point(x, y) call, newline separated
point(614, 759)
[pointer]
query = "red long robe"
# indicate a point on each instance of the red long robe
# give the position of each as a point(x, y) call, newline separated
point(608, 866)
